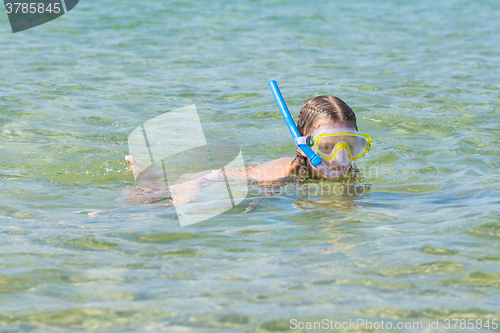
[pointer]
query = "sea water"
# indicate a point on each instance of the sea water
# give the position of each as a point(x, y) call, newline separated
point(419, 242)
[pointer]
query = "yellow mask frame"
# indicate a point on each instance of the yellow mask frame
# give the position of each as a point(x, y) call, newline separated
point(341, 145)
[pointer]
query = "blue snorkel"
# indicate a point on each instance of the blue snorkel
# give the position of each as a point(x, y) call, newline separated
point(313, 157)
point(299, 140)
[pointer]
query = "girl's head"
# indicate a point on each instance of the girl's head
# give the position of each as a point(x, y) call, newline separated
point(316, 112)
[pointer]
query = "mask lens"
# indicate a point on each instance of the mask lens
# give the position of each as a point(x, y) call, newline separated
point(357, 144)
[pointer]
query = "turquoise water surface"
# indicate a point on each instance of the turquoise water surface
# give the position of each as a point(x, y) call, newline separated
point(422, 243)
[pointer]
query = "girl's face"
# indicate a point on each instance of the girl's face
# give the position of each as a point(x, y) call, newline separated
point(315, 172)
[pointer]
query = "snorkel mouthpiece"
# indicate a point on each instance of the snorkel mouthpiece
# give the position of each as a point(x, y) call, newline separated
point(333, 173)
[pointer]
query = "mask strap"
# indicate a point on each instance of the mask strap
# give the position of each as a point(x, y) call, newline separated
point(303, 140)
point(341, 127)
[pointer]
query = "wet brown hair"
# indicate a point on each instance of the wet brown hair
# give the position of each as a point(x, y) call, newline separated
point(314, 110)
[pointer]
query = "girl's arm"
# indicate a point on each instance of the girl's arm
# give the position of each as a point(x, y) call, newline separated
point(189, 186)
point(272, 170)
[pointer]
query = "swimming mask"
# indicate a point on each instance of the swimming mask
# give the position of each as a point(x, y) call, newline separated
point(334, 142)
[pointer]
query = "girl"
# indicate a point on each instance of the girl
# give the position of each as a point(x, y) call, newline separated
point(329, 126)
point(326, 124)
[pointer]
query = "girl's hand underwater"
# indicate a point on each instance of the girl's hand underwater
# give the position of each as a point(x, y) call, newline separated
point(150, 189)
point(133, 164)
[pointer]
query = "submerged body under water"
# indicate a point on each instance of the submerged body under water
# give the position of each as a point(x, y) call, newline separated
point(422, 243)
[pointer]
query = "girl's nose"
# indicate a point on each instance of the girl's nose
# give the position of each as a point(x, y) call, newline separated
point(342, 157)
